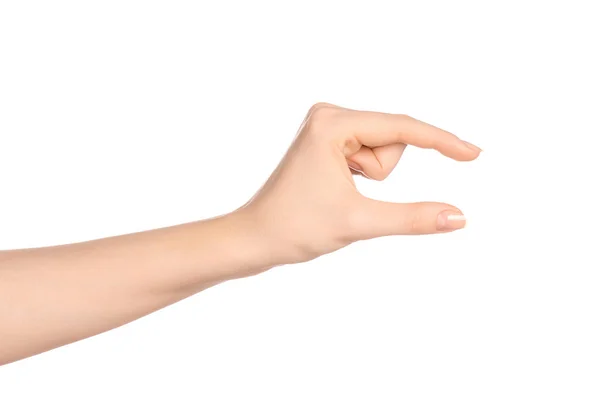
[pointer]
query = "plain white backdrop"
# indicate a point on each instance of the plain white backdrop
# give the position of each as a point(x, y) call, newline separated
point(121, 116)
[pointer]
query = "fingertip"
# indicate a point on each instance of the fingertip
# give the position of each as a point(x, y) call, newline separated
point(463, 151)
point(473, 150)
point(469, 157)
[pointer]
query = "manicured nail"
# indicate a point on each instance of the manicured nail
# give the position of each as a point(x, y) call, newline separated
point(472, 147)
point(354, 166)
point(450, 220)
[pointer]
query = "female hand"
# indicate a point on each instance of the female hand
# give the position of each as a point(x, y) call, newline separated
point(310, 205)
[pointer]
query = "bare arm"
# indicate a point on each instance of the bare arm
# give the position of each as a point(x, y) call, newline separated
point(309, 206)
point(56, 295)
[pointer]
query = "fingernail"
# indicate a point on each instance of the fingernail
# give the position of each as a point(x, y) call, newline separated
point(472, 147)
point(354, 166)
point(450, 220)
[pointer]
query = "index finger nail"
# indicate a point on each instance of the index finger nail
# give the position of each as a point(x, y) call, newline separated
point(472, 147)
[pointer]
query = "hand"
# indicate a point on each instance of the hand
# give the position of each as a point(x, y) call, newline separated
point(310, 205)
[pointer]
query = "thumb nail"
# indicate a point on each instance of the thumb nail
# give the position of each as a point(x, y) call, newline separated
point(450, 220)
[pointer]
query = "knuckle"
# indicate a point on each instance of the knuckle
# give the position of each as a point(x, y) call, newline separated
point(415, 225)
point(404, 118)
point(415, 221)
point(318, 105)
point(351, 145)
point(321, 113)
point(319, 118)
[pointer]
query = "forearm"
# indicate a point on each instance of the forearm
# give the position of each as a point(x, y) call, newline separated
point(56, 295)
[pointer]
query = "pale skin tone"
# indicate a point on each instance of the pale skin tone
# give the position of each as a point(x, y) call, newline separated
point(309, 207)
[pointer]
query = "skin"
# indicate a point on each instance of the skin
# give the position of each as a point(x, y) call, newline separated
point(309, 207)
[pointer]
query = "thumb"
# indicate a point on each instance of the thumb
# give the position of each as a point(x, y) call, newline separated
point(380, 218)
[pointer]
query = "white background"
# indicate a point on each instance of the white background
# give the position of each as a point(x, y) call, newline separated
point(120, 116)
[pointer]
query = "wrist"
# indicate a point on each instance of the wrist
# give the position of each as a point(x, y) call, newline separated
point(237, 244)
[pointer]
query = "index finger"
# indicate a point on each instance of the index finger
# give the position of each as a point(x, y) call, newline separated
point(379, 129)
